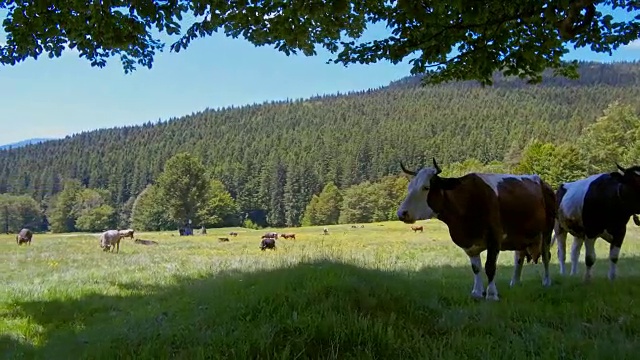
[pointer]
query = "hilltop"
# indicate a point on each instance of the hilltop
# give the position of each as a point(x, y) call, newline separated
point(26, 142)
point(277, 154)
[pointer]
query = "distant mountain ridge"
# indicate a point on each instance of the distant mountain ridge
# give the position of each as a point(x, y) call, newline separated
point(25, 143)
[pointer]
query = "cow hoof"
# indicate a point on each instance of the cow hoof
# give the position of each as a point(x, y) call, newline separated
point(546, 282)
point(514, 283)
point(477, 295)
point(493, 297)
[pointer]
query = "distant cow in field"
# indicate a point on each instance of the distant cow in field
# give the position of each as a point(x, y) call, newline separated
point(288, 236)
point(233, 233)
point(598, 206)
point(271, 235)
point(109, 240)
point(354, 227)
point(145, 242)
point(223, 239)
point(24, 236)
point(267, 243)
point(203, 230)
point(416, 228)
point(492, 212)
point(325, 231)
point(126, 233)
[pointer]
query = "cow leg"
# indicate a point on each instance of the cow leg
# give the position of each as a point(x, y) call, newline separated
point(575, 254)
point(546, 259)
point(589, 256)
point(490, 269)
point(518, 262)
point(614, 253)
point(561, 237)
point(490, 266)
point(476, 267)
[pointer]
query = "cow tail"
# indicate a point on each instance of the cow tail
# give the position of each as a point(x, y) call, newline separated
point(555, 233)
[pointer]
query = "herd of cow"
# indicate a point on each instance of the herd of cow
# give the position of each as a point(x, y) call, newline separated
point(503, 212)
point(520, 213)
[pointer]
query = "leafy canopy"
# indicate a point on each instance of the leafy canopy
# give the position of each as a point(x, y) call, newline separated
point(519, 37)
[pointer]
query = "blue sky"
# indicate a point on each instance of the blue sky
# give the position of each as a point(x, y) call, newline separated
point(58, 97)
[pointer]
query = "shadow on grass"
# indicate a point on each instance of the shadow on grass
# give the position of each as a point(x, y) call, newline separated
point(330, 310)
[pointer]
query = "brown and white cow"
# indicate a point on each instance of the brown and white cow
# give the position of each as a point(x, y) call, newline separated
point(493, 212)
point(126, 233)
point(416, 228)
point(288, 236)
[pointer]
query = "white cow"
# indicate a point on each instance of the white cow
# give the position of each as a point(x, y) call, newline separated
point(110, 239)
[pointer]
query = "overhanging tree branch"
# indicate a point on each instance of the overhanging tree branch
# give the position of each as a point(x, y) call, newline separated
point(100, 30)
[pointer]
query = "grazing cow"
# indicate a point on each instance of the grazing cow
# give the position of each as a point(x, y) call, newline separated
point(24, 236)
point(325, 231)
point(223, 239)
point(598, 206)
point(126, 233)
point(270, 235)
point(233, 233)
point(145, 242)
point(267, 243)
point(493, 212)
point(110, 240)
point(288, 236)
point(416, 228)
point(354, 227)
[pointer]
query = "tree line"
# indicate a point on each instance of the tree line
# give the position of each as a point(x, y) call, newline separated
point(279, 161)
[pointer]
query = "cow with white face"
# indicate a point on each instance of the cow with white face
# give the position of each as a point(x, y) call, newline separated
point(598, 206)
point(492, 212)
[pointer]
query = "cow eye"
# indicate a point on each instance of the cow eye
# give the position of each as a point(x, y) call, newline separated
point(425, 188)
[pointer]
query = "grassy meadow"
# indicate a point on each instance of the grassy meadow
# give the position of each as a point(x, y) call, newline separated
point(378, 292)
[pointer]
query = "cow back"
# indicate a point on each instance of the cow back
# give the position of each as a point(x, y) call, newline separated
point(527, 208)
point(25, 234)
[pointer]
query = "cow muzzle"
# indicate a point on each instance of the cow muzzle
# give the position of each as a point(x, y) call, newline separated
point(404, 216)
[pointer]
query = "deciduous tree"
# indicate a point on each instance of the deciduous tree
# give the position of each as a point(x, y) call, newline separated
point(521, 37)
point(219, 209)
point(147, 213)
point(182, 187)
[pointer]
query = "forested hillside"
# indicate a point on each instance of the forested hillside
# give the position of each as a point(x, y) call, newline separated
point(273, 157)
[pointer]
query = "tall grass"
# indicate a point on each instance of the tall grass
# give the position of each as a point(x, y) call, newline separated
point(378, 292)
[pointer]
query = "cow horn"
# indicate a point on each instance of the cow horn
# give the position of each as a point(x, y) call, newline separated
point(621, 168)
point(409, 172)
point(435, 165)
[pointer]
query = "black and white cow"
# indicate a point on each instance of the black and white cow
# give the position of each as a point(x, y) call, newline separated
point(598, 206)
